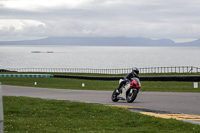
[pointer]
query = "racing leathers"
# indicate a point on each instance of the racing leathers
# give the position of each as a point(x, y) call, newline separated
point(126, 79)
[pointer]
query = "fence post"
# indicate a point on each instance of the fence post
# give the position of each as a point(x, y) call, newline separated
point(1, 110)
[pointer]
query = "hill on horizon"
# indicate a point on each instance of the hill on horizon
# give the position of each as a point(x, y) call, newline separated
point(101, 41)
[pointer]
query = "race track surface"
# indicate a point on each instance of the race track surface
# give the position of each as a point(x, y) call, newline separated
point(174, 102)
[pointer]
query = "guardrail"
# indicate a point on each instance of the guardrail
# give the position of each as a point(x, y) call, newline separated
point(175, 69)
point(142, 78)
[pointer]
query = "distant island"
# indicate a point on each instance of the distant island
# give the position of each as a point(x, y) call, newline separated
point(42, 52)
point(101, 41)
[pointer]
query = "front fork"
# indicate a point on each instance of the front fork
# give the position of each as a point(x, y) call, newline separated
point(131, 90)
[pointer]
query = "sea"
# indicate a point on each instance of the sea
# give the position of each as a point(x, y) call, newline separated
point(97, 57)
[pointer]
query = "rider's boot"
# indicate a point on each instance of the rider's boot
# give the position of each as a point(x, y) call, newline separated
point(118, 91)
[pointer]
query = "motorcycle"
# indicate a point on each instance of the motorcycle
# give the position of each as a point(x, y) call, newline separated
point(128, 92)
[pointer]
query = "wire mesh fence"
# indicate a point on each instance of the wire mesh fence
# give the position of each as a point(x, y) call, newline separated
point(175, 69)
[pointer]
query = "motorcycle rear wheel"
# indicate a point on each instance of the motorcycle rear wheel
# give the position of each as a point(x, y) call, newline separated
point(130, 97)
point(114, 96)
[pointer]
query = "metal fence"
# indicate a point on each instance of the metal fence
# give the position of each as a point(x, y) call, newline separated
point(69, 70)
point(175, 69)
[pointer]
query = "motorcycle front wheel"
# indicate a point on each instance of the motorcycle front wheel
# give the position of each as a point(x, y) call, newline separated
point(114, 96)
point(130, 97)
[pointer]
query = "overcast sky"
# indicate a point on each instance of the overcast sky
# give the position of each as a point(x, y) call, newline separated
point(156, 19)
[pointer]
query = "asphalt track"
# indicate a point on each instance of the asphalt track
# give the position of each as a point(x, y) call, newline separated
point(170, 102)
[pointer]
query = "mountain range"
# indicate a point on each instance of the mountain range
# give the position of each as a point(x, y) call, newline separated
point(101, 41)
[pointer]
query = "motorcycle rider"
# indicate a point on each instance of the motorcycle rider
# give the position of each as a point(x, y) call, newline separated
point(134, 73)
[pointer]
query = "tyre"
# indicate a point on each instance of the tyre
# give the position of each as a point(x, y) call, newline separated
point(130, 97)
point(114, 96)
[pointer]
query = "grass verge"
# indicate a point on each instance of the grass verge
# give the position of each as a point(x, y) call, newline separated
point(39, 115)
point(67, 83)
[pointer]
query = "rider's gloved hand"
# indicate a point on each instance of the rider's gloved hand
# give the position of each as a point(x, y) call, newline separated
point(126, 80)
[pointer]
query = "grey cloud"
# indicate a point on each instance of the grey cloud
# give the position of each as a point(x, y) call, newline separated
point(144, 18)
point(26, 31)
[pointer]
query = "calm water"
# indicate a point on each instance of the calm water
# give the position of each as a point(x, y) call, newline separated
point(97, 57)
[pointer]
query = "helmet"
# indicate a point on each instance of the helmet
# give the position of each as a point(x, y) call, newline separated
point(135, 70)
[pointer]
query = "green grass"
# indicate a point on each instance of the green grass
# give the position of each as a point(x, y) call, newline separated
point(61, 83)
point(36, 115)
point(169, 86)
point(67, 83)
point(74, 74)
